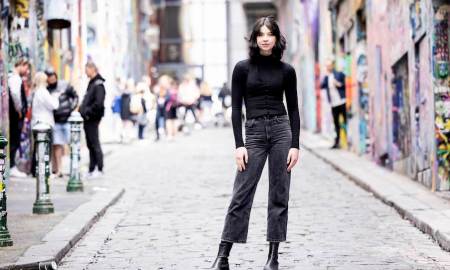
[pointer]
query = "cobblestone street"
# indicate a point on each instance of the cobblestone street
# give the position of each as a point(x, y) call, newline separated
point(172, 214)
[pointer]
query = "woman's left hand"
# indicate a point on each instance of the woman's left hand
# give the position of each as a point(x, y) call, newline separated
point(292, 158)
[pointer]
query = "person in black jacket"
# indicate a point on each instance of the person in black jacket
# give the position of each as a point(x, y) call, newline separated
point(92, 110)
point(334, 84)
point(68, 101)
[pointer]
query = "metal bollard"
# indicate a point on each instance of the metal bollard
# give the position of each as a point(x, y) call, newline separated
point(5, 237)
point(43, 204)
point(75, 183)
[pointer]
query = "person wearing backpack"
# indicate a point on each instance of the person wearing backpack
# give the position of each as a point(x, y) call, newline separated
point(92, 110)
point(68, 101)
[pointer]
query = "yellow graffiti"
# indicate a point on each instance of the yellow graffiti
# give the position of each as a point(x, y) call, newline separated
point(342, 133)
point(23, 8)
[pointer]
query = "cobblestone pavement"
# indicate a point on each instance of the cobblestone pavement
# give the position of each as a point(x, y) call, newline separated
point(172, 215)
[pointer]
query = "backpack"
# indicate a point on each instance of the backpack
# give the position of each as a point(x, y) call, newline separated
point(135, 104)
point(68, 101)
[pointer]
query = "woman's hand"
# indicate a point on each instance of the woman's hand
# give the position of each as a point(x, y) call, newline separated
point(241, 158)
point(292, 158)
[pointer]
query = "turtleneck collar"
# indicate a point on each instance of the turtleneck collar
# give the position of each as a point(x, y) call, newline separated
point(263, 59)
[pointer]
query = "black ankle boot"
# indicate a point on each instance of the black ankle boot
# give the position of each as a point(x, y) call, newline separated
point(221, 262)
point(272, 260)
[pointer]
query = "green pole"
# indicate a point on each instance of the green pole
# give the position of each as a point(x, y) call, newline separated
point(43, 204)
point(75, 183)
point(5, 237)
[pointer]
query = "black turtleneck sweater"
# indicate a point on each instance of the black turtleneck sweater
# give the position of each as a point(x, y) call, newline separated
point(261, 82)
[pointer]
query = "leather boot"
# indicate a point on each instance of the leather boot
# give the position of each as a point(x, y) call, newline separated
point(272, 260)
point(221, 262)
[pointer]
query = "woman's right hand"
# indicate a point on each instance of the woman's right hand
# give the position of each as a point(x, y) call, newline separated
point(241, 158)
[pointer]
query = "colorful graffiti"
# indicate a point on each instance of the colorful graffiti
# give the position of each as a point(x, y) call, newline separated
point(442, 90)
point(400, 110)
point(416, 12)
point(41, 33)
point(363, 102)
point(423, 114)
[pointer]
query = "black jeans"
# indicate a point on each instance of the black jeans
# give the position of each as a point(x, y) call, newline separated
point(93, 144)
point(15, 129)
point(267, 137)
point(337, 111)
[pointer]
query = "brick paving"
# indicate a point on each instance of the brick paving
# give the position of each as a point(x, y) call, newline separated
point(177, 194)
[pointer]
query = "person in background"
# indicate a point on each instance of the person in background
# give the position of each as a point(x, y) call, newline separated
point(334, 84)
point(116, 107)
point(188, 96)
point(125, 113)
point(92, 110)
point(205, 102)
point(68, 101)
point(141, 118)
point(43, 105)
point(225, 98)
point(171, 111)
point(18, 107)
point(162, 90)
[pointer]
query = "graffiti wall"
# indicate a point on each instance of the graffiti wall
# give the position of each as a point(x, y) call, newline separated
point(4, 101)
point(441, 58)
point(422, 113)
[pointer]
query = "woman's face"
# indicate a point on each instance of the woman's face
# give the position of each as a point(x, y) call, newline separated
point(265, 40)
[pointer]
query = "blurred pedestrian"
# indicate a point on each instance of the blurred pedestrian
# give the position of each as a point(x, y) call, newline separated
point(125, 114)
point(225, 98)
point(334, 84)
point(116, 108)
point(162, 93)
point(43, 106)
point(92, 110)
point(205, 102)
point(270, 132)
point(188, 95)
point(171, 111)
point(18, 107)
point(68, 101)
point(141, 119)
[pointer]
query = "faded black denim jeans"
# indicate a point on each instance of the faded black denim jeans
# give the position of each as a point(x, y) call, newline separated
point(265, 137)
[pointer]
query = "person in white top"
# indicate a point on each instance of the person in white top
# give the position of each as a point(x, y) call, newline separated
point(188, 95)
point(42, 107)
point(43, 102)
point(17, 109)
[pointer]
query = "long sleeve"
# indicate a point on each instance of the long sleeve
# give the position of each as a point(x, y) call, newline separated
point(15, 83)
point(237, 93)
point(99, 100)
point(292, 105)
point(50, 102)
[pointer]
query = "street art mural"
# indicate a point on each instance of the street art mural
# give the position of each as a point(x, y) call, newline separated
point(363, 103)
point(19, 38)
point(401, 112)
point(422, 113)
point(441, 60)
point(4, 97)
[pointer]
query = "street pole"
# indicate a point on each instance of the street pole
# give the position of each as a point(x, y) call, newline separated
point(228, 34)
point(43, 204)
point(75, 183)
point(5, 237)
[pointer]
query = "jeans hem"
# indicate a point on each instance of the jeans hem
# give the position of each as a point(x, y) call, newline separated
point(234, 241)
point(276, 240)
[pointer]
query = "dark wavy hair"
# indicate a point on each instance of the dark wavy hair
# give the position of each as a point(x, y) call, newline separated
point(280, 44)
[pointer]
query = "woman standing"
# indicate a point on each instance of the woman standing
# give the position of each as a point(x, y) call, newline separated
point(261, 82)
point(43, 105)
